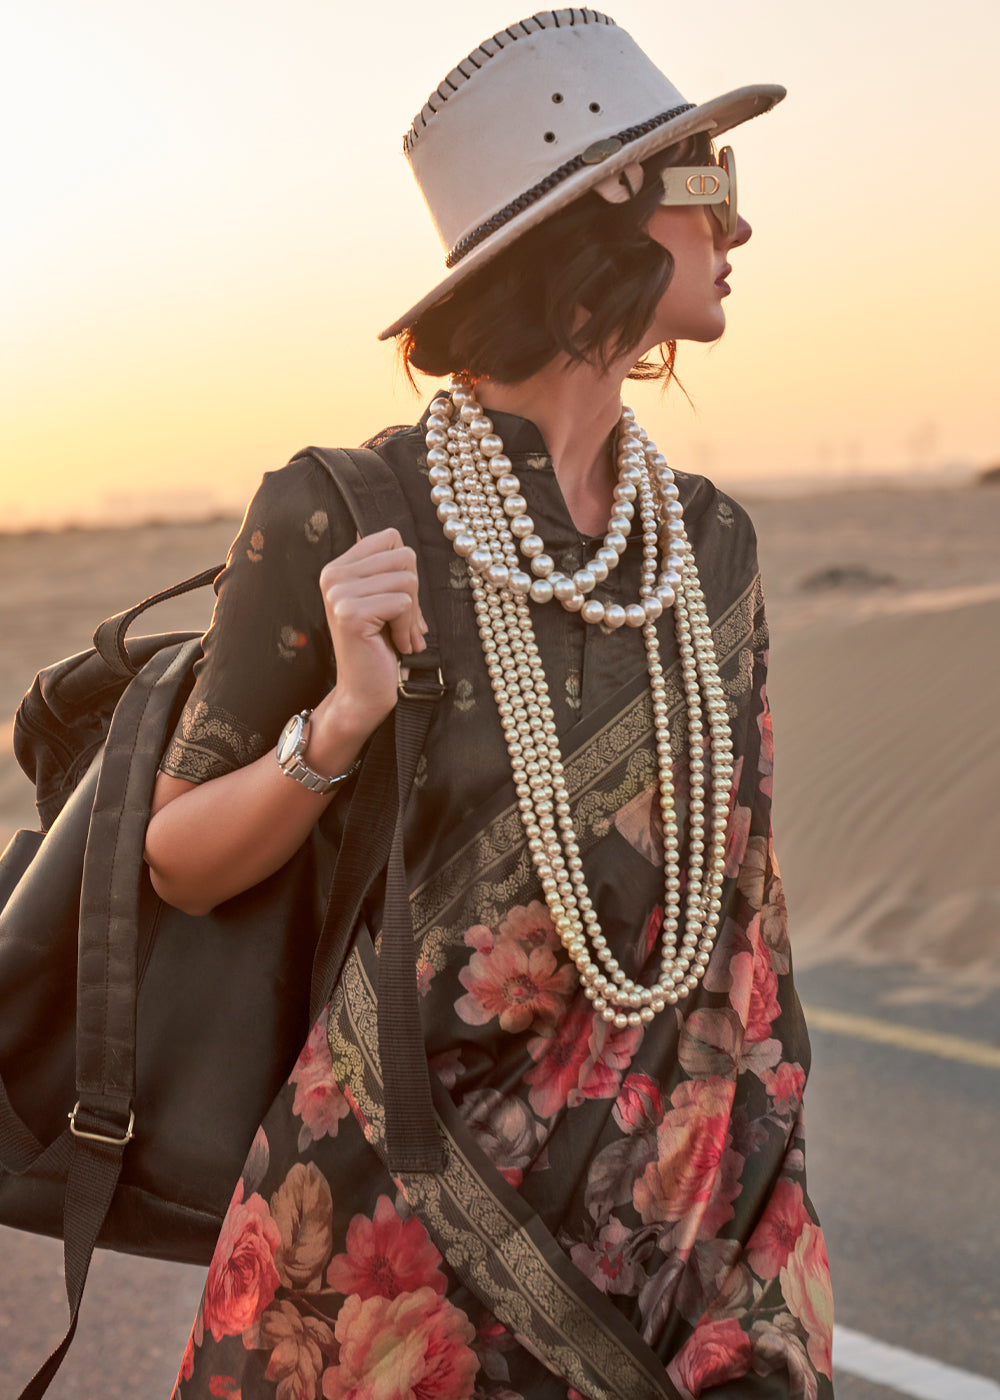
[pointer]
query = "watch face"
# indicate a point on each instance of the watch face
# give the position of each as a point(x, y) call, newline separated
point(289, 740)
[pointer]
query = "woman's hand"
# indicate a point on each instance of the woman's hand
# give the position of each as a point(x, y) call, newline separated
point(207, 842)
point(373, 612)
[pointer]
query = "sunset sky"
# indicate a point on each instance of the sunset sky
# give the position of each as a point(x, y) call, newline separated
point(208, 218)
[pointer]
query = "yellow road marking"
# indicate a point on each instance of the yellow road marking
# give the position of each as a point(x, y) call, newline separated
point(945, 1047)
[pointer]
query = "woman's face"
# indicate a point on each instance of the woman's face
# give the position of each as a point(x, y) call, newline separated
point(691, 307)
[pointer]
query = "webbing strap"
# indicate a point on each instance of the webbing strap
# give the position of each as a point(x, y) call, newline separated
point(376, 500)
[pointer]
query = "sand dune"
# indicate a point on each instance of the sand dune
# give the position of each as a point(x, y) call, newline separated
point(886, 777)
point(884, 684)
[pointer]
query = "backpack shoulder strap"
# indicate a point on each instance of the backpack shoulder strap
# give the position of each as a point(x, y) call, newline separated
point(375, 499)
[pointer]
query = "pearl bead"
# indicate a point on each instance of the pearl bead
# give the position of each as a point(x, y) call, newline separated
point(592, 611)
point(497, 575)
point(635, 615)
point(541, 591)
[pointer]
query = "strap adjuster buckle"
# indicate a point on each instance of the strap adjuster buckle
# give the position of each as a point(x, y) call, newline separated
point(101, 1137)
point(419, 685)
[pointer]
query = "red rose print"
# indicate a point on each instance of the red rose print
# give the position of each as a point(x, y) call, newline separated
point(716, 1351)
point(639, 1106)
point(242, 1278)
point(415, 1345)
point(695, 1176)
point(224, 1388)
point(778, 1230)
point(386, 1256)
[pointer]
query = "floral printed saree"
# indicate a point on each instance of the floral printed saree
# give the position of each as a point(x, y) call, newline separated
point(622, 1212)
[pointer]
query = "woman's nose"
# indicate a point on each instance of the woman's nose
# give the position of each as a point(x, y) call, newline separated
point(743, 233)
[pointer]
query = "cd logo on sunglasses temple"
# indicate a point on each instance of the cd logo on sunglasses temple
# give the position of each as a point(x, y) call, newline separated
point(703, 184)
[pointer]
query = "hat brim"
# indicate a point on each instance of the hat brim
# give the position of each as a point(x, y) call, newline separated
point(716, 116)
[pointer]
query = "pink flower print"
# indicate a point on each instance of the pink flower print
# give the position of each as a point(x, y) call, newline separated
point(778, 1230)
point(754, 994)
point(639, 1107)
point(242, 1277)
point(413, 1347)
point(318, 1100)
point(608, 1263)
point(530, 925)
point(386, 1256)
point(695, 1175)
point(718, 1350)
point(559, 1059)
point(581, 1059)
point(805, 1282)
point(517, 985)
point(785, 1084)
point(480, 937)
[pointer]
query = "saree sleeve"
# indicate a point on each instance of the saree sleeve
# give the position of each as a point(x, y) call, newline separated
point(267, 653)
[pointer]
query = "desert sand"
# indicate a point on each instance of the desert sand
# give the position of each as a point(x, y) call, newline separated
point(885, 614)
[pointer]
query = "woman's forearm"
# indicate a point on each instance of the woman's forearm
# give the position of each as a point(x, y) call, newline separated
point(208, 842)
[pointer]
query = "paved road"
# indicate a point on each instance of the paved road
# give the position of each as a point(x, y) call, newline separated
point(904, 1152)
point(905, 1170)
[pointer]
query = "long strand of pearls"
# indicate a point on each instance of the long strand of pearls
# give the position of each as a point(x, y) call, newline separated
point(478, 502)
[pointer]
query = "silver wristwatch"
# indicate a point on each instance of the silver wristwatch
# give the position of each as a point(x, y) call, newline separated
point(292, 745)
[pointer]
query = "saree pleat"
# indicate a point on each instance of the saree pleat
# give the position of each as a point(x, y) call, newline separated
point(622, 1212)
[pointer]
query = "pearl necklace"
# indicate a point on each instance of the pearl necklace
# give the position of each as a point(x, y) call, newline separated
point(478, 502)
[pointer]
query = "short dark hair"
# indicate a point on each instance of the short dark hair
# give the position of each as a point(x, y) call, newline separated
point(512, 317)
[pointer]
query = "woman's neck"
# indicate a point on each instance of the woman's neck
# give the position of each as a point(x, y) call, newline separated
point(576, 409)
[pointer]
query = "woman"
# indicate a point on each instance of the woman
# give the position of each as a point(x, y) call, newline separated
point(603, 963)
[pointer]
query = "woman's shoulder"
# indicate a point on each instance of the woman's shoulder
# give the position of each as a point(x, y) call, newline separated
point(710, 506)
point(301, 498)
